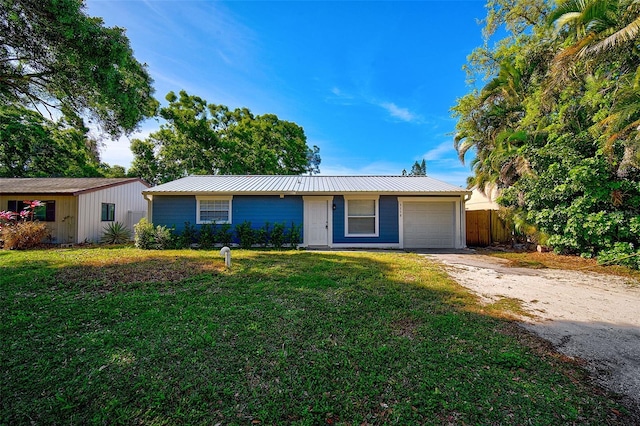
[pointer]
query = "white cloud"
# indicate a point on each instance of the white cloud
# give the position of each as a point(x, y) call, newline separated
point(445, 149)
point(402, 113)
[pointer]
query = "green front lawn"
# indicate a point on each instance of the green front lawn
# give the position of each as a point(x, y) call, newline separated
point(123, 336)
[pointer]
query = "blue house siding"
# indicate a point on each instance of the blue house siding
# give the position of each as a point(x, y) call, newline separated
point(174, 211)
point(388, 222)
point(259, 209)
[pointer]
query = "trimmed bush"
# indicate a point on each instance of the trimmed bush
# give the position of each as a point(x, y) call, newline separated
point(148, 237)
point(224, 236)
point(188, 236)
point(207, 236)
point(278, 235)
point(246, 235)
point(294, 236)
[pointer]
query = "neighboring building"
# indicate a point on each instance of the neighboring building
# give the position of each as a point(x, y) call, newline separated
point(480, 201)
point(334, 211)
point(485, 226)
point(77, 209)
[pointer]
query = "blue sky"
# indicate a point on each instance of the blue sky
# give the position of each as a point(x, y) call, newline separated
point(371, 83)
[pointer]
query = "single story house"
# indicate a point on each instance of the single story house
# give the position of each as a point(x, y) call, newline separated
point(77, 209)
point(334, 211)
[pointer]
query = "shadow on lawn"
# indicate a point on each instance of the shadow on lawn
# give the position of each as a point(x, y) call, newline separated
point(282, 337)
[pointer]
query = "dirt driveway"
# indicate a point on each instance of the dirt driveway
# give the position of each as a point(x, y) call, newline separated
point(589, 316)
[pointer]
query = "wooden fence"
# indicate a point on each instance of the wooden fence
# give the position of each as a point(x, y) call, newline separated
point(484, 227)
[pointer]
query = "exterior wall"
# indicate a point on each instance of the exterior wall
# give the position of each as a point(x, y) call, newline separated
point(259, 209)
point(64, 229)
point(388, 223)
point(129, 203)
point(174, 210)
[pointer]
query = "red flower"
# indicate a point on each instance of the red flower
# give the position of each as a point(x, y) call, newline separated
point(33, 204)
point(7, 216)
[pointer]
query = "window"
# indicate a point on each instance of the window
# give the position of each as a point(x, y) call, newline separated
point(44, 213)
point(213, 209)
point(361, 217)
point(108, 212)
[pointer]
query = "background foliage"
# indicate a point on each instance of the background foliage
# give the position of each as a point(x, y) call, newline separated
point(203, 138)
point(555, 126)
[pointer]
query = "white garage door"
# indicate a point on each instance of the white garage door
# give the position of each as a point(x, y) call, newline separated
point(429, 225)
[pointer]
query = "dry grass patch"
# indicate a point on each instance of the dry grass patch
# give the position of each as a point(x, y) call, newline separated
point(556, 261)
point(507, 308)
point(136, 266)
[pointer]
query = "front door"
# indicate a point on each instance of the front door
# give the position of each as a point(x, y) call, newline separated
point(317, 222)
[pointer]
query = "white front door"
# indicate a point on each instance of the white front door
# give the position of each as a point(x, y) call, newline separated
point(317, 221)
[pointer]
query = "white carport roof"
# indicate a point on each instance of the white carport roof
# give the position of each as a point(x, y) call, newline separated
point(306, 185)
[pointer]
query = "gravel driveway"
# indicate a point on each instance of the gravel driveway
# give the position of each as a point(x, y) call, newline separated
point(585, 315)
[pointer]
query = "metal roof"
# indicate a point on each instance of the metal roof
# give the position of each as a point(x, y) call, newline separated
point(60, 186)
point(301, 185)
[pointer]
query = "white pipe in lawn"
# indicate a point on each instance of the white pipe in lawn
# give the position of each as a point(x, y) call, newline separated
point(226, 252)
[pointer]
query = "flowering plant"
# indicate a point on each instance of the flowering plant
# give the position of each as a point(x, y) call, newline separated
point(7, 217)
point(22, 230)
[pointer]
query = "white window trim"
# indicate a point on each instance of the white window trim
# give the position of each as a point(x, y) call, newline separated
point(376, 199)
point(199, 198)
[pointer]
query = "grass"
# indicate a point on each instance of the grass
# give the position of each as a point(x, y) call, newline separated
point(122, 336)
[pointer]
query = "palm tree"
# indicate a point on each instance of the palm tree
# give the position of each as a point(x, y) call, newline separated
point(596, 30)
point(598, 25)
point(492, 131)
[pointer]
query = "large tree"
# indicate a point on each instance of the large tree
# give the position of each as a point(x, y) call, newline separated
point(202, 138)
point(32, 146)
point(555, 126)
point(55, 58)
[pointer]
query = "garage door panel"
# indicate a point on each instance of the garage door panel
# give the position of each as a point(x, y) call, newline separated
point(429, 224)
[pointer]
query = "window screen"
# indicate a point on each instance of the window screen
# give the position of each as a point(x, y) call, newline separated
point(361, 217)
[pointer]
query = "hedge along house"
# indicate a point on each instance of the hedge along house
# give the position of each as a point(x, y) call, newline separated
point(334, 211)
point(77, 209)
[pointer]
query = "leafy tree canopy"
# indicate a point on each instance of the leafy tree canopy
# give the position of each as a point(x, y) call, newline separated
point(202, 138)
point(556, 126)
point(33, 146)
point(55, 57)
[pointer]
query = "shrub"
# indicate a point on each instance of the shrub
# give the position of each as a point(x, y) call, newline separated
point(144, 235)
point(20, 230)
point(23, 235)
point(277, 235)
point(148, 237)
point(224, 236)
point(188, 236)
point(164, 238)
point(620, 254)
point(294, 235)
point(262, 235)
point(207, 238)
point(115, 233)
point(246, 235)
